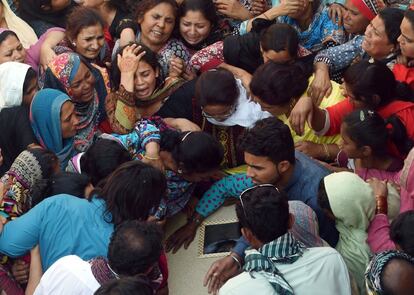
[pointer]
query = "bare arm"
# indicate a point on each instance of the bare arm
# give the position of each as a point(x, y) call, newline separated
point(46, 51)
point(182, 124)
point(35, 273)
point(321, 85)
point(239, 73)
point(306, 110)
point(284, 8)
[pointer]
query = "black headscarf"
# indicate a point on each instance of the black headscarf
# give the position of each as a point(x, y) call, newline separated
point(31, 10)
point(15, 135)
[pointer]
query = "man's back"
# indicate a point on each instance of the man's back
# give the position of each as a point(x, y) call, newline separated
point(320, 271)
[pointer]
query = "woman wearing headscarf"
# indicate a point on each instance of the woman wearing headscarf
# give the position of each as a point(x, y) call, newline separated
point(70, 74)
point(53, 120)
point(12, 48)
point(17, 88)
point(9, 20)
point(16, 93)
point(15, 186)
point(351, 202)
point(390, 272)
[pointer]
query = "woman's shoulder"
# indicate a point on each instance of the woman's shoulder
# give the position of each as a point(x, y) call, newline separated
point(65, 202)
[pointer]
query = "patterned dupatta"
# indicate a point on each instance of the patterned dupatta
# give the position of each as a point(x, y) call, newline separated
point(60, 73)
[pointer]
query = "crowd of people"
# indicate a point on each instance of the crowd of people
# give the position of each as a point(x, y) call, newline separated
point(117, 115)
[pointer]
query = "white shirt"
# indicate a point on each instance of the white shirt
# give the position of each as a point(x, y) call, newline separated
point(68, 275)
point(320, 271)
point(247, 111)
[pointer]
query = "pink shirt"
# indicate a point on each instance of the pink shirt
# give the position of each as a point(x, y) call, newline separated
point(379, 229)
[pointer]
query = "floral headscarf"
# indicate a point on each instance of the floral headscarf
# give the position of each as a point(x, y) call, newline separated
point(59, 75)
point(28, 168)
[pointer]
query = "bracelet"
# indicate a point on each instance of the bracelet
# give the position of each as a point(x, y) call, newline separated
point(196, 220)
point(151, 158)
point(325, 148)
point(236, 259)
point(381, 204)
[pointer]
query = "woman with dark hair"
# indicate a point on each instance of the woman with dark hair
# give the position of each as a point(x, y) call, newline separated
point(114, 12)
point(365, 141)
point(188, 158)
point(11, 49)
point(378, 43)
point(99, 160)
point(224, 109)
point(73, 184)
point(198, 24)
point(367, 86)
point(156, 32)
point(64, 225)
point(85, 36)
point(141, 91)
point(278, 88)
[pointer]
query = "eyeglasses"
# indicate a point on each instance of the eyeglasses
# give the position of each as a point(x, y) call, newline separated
point(220, 116)
point(252, 188)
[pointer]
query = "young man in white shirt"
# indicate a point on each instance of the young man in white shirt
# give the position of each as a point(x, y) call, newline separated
point(278, 263)
point(133, 251)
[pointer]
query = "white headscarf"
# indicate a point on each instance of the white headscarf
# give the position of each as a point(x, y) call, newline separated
point(12, 76)
point(23, 31)
point(247, 111)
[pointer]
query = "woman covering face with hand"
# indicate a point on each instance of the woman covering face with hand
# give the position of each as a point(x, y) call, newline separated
point(139, 89)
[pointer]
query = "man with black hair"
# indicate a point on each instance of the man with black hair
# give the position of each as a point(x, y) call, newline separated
point(134, 249)
point(271, 158)
point(270, 155)
point(278, 262)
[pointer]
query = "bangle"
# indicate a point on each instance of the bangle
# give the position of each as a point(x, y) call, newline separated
point(196, 220)
point(381, 205)
point(327, 154)
point(151, 158)
point(236, 259)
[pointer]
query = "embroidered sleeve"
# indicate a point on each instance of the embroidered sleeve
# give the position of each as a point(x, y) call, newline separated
point(121, 111)
point(147, 132)
point(341, 56)
point(230, 186)
point(135, 141)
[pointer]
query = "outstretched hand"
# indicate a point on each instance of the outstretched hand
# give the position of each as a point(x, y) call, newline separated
point(219, 272)
point(181, 237)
